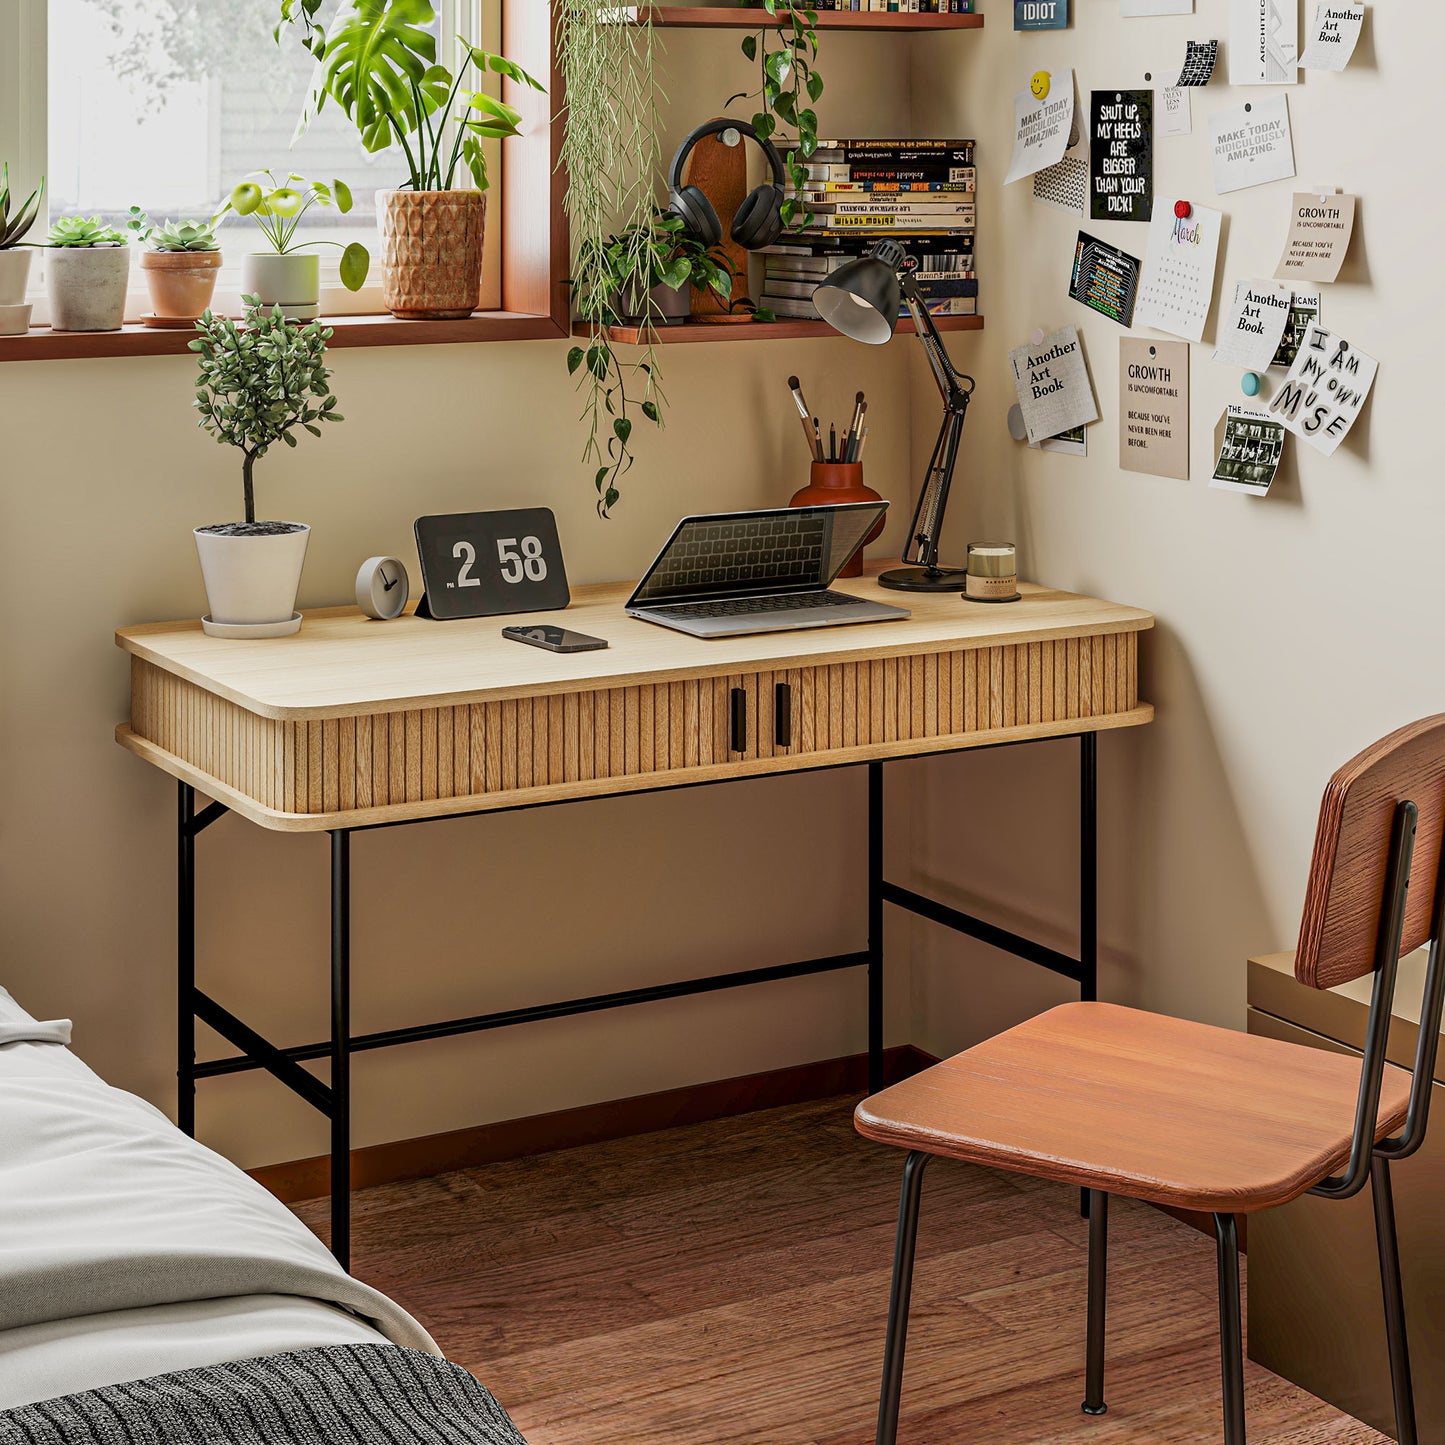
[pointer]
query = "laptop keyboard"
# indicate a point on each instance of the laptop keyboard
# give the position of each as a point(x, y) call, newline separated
point(753, 606)
point(776, 551)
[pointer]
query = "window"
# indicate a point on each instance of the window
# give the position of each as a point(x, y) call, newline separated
point(166, 104)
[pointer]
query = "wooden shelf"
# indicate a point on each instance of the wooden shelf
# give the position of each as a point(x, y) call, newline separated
point(717, 17)
point(761, 331)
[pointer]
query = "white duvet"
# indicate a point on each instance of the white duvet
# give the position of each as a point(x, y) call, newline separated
point(127, 1249)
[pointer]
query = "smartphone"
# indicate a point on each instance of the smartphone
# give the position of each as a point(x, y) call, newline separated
point(553, 639)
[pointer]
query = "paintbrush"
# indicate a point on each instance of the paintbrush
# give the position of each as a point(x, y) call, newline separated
point(854, 426)
point(815, 448)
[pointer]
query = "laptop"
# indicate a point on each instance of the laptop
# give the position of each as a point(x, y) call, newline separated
point(770, 571)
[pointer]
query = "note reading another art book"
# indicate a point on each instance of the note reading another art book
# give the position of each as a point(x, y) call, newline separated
point(1154, 407)
point(1178, 282)
point(1250, 452)
point(1249, 336)
point(1041, 127)
point(1251, 144)
point(1319, 235)
point(1325, 389)
point(1105, 279)
point(1121, 155)
point(1304, 307)
point(1263, 42)
point(1332, 36)
point(1053, 385)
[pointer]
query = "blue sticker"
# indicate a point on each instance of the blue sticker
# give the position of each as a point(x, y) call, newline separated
point(1041, 14)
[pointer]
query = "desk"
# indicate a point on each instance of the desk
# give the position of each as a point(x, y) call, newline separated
point(353, 725)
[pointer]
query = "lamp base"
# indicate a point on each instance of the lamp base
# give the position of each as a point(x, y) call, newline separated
point(924, 579)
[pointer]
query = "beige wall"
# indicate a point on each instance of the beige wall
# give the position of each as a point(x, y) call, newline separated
point(1292, 630)
point(1272, 661)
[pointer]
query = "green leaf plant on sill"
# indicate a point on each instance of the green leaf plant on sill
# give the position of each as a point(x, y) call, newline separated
point(377, 60)
point(786, 53)
point(279, 210)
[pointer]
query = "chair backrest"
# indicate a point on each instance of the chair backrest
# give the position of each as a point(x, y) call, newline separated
point(1346, 891)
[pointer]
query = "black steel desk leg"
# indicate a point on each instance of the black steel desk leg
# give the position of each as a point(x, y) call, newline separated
point(186, 960)
point(875, 927)
point(341, 1046)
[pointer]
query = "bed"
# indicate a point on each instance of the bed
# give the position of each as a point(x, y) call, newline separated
point(150, 1290)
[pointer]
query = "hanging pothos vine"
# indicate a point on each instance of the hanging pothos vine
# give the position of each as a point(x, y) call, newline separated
point(611, 157)
point(787, 53)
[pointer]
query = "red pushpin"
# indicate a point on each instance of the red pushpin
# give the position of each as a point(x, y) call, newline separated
point(1183, 210)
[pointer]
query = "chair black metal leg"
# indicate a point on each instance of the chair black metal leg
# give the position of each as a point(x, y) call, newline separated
point(1395, 1331)
point(186, 961)
point(875, 927)
point(1231, 1329)
point(1088, 883)
point(1098, 1295)
point(892, 1392)
point(341, 1046)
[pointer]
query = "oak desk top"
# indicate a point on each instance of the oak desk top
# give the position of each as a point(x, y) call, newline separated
point(342, 664)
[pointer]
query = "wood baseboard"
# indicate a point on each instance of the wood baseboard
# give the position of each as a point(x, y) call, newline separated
point(590, 1124)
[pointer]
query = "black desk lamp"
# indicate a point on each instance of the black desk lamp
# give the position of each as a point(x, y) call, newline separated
point(861, 299)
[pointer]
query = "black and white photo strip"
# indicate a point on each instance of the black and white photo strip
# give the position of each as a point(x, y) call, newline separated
point(1251, 452)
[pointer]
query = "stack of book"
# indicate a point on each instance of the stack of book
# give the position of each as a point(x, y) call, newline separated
point(920, 193)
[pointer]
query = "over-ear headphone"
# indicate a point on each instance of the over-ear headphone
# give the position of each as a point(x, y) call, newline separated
point(759, 220)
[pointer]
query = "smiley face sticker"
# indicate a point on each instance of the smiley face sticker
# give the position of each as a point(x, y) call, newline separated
point(1039, 84)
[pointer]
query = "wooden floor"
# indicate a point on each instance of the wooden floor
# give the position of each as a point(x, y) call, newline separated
point(726, 1284)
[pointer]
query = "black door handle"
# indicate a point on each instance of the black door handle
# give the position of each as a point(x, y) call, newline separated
point(783, 715)
point(739, 720)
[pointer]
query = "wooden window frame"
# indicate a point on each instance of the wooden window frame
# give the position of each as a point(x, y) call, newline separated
point(533, 237)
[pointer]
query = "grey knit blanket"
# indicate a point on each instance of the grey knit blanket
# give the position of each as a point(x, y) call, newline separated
point(339, 1395)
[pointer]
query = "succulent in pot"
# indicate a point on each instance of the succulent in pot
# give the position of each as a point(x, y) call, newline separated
point(15, 255)
point(86, 274)
point(288, 275)
point(180, 262)
point(262, 379)
point(378, 62)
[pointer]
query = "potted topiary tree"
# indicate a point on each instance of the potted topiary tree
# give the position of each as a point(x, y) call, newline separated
point(14, 257)
point(378, 62)
point(261, 380)
point(86, 274)
point(180, 262)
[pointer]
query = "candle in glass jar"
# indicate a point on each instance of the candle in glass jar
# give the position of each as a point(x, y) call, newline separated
point(992, 572)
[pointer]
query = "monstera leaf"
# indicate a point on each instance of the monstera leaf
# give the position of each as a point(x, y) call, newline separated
point(379, 65)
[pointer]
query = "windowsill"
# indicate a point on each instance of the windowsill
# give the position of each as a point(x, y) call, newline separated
point(40, 343)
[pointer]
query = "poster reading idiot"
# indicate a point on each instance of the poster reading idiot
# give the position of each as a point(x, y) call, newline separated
point(1325, 389)
point(1041, 14)
point(1250, 452)
point(1053, 386)
point(1154, 407)
point(1121, 155)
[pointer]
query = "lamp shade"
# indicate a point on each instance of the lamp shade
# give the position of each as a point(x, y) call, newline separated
point(861, 299)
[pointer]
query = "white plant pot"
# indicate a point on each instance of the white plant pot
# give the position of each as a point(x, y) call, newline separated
point(14, 274)
point(14, 320)
point(86, 286)
point(252, 581)
point(291, 282)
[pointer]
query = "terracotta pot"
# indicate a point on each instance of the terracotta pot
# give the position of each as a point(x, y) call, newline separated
point(86, 285)
point(431, 252)
point(181, 283)
point(831, 484)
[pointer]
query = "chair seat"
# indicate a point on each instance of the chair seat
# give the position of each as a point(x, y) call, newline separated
point(1139, 1104)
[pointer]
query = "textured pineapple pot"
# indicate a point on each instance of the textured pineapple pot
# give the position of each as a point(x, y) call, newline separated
point(431, 252)
point(181, 283)
point(86, 286)
point(14, 274)
point(292, 282)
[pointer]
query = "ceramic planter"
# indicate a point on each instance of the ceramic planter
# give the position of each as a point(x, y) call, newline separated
point(14, 320)
point(431, 252)
point(252, 578)
point(291, 282)
point(181, 283)
point(14, 274)
point(86, 286)
point(665, 305)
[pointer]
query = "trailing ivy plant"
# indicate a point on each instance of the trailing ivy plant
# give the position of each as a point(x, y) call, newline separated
point(611, 157)
point(786, 53)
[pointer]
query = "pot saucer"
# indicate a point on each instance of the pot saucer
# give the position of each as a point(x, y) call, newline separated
point(252, 629)
point(168, 323)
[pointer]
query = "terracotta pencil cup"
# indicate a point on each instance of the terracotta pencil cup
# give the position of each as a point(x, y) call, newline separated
point(832, 483)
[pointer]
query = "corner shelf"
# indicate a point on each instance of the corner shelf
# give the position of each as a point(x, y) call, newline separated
point(717, 17)
point(759, 331)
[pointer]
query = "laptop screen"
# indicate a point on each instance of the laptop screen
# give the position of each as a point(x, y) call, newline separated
point(790, 549)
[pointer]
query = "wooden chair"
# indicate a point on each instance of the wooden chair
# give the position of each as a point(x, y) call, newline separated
point(1124, 1102)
